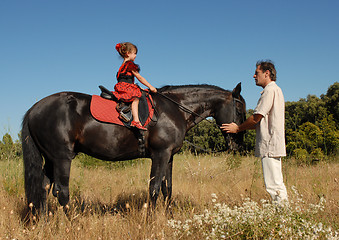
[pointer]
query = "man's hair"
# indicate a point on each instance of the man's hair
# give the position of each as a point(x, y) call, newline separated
point(268, 65)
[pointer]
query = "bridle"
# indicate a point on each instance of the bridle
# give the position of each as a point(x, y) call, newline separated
point(186, 109)
point(236, 100)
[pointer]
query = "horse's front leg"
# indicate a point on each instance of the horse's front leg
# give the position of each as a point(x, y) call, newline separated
point(166, 186)
point(158, 175)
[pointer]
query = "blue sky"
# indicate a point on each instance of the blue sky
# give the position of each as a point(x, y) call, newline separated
point(52, 46)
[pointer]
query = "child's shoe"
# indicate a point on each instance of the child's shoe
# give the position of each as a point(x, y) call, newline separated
point(138, 125)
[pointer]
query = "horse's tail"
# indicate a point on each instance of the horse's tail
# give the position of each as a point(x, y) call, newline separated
point(33, 162)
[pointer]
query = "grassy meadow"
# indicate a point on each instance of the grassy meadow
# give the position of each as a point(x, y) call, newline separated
point(214, 197)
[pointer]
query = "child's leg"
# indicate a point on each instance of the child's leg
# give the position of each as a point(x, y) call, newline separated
point(135, 110)
point(135, 113)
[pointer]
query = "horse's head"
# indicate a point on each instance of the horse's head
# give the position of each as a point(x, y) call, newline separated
point(232, 109)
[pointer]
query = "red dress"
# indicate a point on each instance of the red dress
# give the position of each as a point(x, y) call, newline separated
point(126, 90)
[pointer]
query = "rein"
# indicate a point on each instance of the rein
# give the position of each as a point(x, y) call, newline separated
point(185, 109)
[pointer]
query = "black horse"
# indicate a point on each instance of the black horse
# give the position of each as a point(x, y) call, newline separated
point(59, 126)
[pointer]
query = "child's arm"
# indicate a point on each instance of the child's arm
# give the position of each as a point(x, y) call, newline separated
point(144, 81)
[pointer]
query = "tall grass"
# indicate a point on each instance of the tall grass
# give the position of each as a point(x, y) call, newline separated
point(215, 197)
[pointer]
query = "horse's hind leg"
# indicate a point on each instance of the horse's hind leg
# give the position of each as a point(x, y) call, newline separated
point(61, 180)
point(48, 178)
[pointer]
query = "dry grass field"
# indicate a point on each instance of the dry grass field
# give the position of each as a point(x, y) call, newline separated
point(214, 197)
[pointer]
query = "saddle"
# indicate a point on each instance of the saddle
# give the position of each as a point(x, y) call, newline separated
point(124, 109)
point(106, 108)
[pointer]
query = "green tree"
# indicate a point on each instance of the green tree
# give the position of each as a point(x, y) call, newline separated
point(331, 100)
point(311, 109)
point(205, 136)
point(8, 148)
point(306, 141)
point(311, 124)
point(330, 135)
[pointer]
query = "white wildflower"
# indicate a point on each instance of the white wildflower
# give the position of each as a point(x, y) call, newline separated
point(223, 221)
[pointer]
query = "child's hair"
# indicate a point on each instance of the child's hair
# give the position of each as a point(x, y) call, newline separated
point(125, 47)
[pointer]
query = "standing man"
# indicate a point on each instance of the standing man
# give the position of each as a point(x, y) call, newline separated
point(268, 120)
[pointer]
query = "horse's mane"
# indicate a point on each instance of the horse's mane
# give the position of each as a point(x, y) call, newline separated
point(176, 87)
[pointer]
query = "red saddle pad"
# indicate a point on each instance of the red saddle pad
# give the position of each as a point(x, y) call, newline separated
point(104, 110)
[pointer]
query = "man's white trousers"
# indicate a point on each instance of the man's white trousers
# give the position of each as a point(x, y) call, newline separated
point(274, 179)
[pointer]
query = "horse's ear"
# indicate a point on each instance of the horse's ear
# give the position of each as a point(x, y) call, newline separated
point(236, 91)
